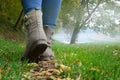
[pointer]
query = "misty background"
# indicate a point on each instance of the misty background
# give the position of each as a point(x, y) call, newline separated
point(95, 21)
point(85, 37)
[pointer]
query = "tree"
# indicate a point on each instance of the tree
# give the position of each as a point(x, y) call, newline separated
point(78, 27)
point(81, 11)
point(77, 10)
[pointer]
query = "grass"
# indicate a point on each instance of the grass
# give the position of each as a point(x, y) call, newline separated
point(90, 61)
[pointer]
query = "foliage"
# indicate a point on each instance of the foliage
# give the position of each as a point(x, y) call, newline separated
point(9, 11)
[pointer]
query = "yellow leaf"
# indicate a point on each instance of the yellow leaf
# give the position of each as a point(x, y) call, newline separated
point(95, 69)
point(32, 64)
point(65, 68)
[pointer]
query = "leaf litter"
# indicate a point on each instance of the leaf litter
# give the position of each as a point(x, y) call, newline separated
point(47, 70)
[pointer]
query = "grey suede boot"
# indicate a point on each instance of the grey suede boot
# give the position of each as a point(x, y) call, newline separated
point(37, 41)
point(48, 54)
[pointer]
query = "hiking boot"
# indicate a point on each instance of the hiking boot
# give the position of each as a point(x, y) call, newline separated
point(37, 41)
point(48, 54)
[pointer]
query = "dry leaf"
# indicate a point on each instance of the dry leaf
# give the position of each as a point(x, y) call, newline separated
point(65, 68)
point(55, 71)
point(116, 52)
point(0, 76)
point(23, 79)
point(32, 64)
point(78, 78)
point(45, 72)
point(27, 75)
point(77, 62)
point(2, 71)
point(95, 69)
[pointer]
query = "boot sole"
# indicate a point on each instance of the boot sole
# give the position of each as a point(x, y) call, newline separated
point(38, 48)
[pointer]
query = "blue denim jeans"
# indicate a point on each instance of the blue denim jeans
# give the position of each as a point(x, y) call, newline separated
point(49, 8)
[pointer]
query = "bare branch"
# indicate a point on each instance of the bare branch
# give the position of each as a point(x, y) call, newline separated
point(87, 7)
point(88, 17)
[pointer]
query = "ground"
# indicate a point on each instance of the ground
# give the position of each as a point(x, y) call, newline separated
point(90, 61)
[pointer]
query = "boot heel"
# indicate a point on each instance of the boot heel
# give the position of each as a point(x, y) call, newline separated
point(39, 47)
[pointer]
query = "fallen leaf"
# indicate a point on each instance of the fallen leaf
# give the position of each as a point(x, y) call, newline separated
point(77, 62)
point(1, 71)
point(32, 64)
point(95, 69)
point(116, 52)
point(0, 76)
point(22, 46)
point(86, 79)
point(65, 68)
point(79, 77)
point(46, 73)
point(73, 54)
point(27, 75)
point(23, 79)
point(54, 71)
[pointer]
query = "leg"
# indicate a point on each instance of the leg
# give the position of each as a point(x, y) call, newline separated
point(29, 5)
point(50, 10)
point(37, 41)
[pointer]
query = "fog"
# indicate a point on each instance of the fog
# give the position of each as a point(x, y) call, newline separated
point(105, 19)
point(85, 37)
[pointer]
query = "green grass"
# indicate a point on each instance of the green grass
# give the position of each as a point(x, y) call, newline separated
point(93, 61)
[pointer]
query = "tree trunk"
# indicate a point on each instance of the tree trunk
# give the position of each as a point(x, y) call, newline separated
point(74, 35)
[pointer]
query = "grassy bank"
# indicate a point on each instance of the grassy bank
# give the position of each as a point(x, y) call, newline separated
point(93, 61)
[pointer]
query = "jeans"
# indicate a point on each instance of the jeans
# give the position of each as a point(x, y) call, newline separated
point(49, 8)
